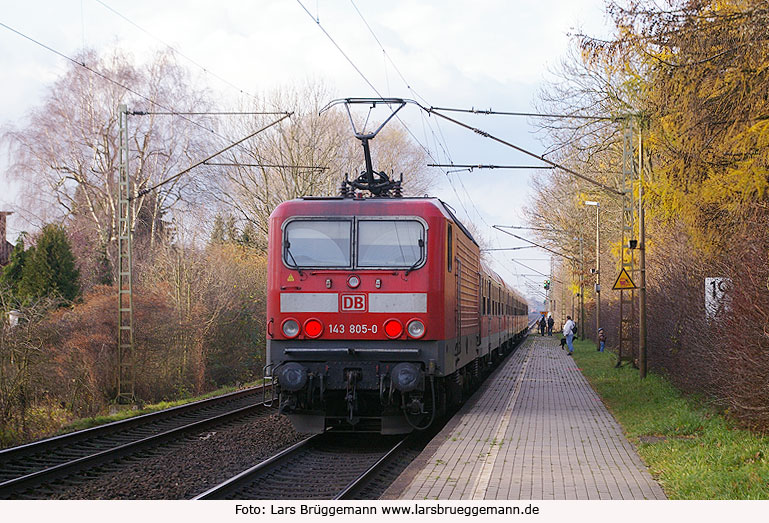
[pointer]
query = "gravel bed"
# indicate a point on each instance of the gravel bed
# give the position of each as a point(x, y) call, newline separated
point(188, 468)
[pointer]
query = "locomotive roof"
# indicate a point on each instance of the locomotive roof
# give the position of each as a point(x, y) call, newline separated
point(322, 205)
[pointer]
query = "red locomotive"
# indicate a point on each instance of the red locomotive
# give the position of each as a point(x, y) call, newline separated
point(380, 313)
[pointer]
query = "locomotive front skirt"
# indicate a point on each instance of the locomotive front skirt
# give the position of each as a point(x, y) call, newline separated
point(380, 313)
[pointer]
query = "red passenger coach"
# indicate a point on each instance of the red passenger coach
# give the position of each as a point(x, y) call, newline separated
point(380, 313)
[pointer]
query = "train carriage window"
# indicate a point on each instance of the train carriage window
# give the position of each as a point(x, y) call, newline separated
point(390, 243)
point(317, 243)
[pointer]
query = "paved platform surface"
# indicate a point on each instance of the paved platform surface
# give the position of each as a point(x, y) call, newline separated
point(536, 430)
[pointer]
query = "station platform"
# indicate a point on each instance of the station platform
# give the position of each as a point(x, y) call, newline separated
point(535, 430)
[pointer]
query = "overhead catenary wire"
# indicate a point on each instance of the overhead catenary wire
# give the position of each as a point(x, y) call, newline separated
point(349, 60)
point(534, 115)
point(526, 228)
point(202, 67)
point(451, 183)
point(508, 248)
point(111, 80)
point(203, 161)
point(430, 112)
point(471, 167)
point(207, 113)
point(535, 270)
point(274, 166)
point(370, 84)
point(408, 85)
point(537, 245)
point(524, 151)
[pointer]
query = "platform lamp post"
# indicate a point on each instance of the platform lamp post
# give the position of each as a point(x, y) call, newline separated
point(597, 269)
point(581, 288)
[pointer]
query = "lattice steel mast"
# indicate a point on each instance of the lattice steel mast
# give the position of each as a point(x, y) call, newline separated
point(627, 341)
point(126, 370)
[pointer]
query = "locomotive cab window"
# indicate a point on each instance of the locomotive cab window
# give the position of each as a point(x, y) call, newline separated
point(390, 243)
point(317, 243)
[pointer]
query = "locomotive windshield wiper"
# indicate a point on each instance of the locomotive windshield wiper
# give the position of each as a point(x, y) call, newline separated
point(288, 251)
point(421, 250)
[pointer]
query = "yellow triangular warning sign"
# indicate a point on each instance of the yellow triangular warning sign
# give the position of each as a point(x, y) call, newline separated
point(623, 281)
point(290, 277)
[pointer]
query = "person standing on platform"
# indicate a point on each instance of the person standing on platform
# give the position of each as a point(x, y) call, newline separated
point(550, 323)
point(601, 340)
point(568, 331)
point(542, 324)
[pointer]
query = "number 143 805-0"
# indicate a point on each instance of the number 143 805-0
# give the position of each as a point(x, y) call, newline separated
point(352, 328)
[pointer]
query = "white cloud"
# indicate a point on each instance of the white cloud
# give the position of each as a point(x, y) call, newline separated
point(490, 53)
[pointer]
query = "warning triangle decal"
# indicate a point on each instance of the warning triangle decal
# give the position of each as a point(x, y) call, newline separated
point(623, 281)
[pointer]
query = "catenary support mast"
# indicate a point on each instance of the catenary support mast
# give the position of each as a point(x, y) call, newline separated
point(126, 369)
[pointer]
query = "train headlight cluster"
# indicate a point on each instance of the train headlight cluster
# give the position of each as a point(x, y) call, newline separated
point(290, 328)
point(416, 329)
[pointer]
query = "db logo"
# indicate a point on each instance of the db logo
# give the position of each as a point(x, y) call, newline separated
point(353, 302)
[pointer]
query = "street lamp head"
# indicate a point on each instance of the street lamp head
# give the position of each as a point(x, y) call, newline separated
point(589, 202)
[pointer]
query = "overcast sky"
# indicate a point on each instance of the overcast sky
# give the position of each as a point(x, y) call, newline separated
point(452, 53)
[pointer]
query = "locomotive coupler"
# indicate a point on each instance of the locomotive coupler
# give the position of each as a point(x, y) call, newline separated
point(415, 406)
point(287, 403)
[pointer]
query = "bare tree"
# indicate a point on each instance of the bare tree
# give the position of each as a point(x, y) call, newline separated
point(284, 162)
point(67, 156)
point(22, 360)
point(309, 155)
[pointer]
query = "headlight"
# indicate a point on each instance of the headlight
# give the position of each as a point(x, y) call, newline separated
point(406, 376)
point(292, 377)
point(416, 329)
point(290, 328)
point(393, 328)
point(313, 328)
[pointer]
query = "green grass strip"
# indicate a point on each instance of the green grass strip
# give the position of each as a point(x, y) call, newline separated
point(128, 412)
point(692, 450)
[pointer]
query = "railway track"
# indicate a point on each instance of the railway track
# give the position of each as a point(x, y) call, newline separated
point(33, 471)
point(324, 466)
point(328, 466)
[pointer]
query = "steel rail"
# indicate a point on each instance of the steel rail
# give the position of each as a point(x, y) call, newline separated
point(236, 482)
point(357, 485)
point(55, 442)
point(249, 476)
point(28, 481)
